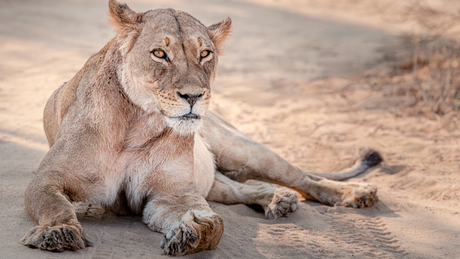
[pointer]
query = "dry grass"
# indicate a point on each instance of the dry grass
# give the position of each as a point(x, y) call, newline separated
point(428, 82)
point(427, 85)
point(431, 81)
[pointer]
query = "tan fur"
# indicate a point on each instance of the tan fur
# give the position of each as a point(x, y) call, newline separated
point(129, 131)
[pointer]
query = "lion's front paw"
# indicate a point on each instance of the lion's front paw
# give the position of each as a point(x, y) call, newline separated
point(180, 240)
point(359, 195)
point(195, 233)
point(284, 202)
point(56, 238)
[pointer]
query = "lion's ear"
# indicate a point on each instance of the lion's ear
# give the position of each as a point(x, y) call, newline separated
point(219, 32)
point(126, 22)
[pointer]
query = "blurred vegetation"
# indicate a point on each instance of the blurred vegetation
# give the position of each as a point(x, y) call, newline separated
point(428, 82)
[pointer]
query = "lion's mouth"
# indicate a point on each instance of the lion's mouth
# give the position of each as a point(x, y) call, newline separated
point(190, 116)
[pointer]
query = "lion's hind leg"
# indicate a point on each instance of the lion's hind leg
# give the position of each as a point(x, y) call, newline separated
point(348, 194)
point(241, 158)
point(276, 202)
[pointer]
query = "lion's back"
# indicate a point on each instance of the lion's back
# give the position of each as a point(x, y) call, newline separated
point(64, 97)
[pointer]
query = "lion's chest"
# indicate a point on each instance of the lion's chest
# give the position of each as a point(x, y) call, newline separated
point(204, 166)
point(161, 167)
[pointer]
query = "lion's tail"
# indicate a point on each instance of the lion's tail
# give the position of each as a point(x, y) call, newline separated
point(368, 159)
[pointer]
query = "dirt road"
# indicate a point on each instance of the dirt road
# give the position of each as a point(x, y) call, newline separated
point(286, 80)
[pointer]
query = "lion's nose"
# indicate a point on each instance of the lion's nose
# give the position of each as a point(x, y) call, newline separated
point(191, 98)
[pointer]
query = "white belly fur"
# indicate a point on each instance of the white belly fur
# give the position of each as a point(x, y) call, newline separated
point(204, 166)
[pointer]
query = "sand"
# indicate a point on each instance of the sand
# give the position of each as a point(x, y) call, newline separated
point(287, 79)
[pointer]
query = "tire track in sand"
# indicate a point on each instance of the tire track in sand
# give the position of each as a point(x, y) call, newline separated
point(367, 235)
point(329, 236)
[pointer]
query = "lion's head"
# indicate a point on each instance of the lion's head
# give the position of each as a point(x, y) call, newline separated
point(169, 62)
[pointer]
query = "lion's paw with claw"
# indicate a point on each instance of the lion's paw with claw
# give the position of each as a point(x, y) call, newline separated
point(196, 232)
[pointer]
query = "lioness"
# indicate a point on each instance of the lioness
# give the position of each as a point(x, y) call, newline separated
point(131, 131)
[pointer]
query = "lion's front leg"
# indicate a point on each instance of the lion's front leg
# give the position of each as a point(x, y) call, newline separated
point(58, 227)
point(187, 222)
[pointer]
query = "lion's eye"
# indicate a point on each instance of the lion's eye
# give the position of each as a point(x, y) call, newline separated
point(204, 54)
point(159, 53)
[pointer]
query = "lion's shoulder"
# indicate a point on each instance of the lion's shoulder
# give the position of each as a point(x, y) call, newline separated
point(59, 103)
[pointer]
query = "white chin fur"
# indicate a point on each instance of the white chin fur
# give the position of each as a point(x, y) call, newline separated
point(184, 126)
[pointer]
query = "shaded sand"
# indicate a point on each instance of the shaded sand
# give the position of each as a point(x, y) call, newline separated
point(285, 80)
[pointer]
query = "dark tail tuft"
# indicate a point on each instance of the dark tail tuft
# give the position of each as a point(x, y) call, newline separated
point(371, 157)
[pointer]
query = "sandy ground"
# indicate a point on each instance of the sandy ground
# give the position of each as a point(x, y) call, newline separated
point(287, 79)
